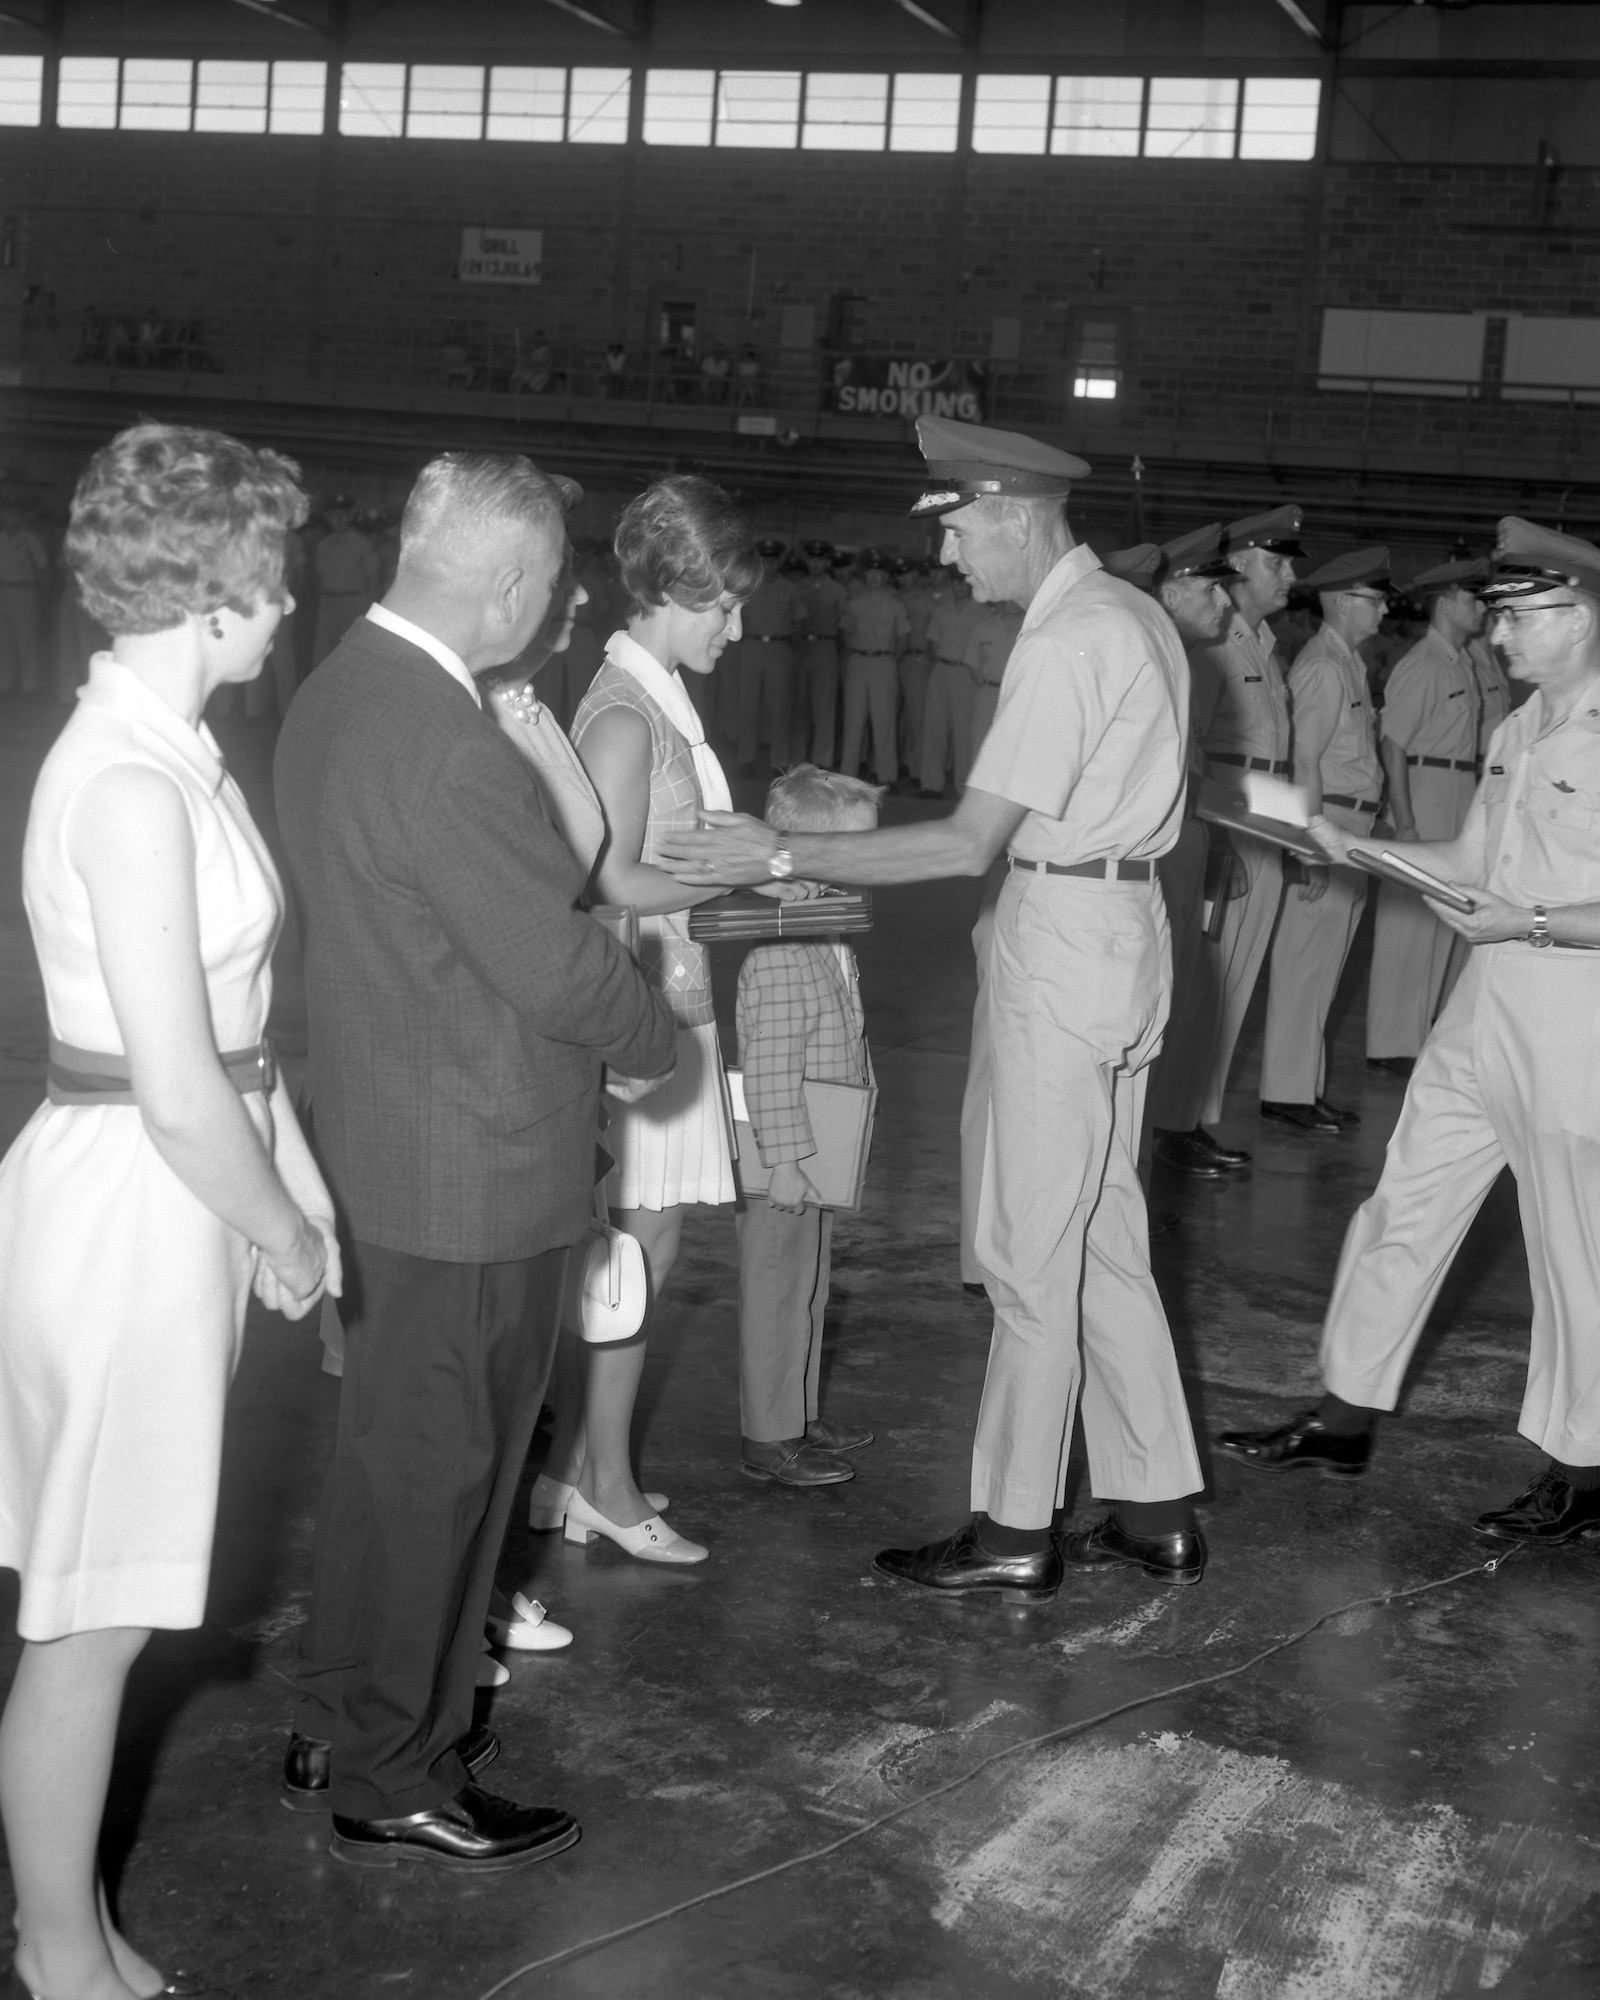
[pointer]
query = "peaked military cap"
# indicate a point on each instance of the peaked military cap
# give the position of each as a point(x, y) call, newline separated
point(1356, 569)
point(340, 503)
point(966, 461)
point(872, 559)
point(769, 545)
point(1196, 554)
point(1277, 531)
point(1529, 560)
point(1466, 573)
point(816, 548)
point(1137, 565)
point(841, 559)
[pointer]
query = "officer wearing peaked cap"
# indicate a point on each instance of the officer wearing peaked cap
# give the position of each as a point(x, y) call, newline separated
point(1240, 722)
point(1075, 1000)
point(816, 675)
point(764, 660)
point(1507, 1078)
point(1336, 762)
point(1428, 740)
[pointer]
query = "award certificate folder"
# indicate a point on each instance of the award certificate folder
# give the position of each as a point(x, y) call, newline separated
point(1407, 875)
point(841, 1117)
point(1224, 803)
point(745, 916)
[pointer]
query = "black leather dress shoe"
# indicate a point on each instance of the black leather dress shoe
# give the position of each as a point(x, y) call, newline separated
point(1225, 1156)
point(1304, 1117)
point(1305, 1441)
point(474, 1832)
point(962, 1564)
point(1393, 1065)
point(1182, 1153)
point(1338, 1114)
point(1552, 1511)
point(306, 1764)
point(1175, 1558)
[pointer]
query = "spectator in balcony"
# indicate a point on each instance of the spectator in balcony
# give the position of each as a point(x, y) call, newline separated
point(614, 369)
point(124, 342)
point(747, 377)
point(534, 372)
point(94, 338)
point(714, 373)
point(152, 339)
point(348, 575)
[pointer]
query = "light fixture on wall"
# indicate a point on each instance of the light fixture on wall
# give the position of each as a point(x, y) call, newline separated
point(783, 3)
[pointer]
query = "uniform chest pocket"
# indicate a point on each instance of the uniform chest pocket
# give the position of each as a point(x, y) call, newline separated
point(1579, 810)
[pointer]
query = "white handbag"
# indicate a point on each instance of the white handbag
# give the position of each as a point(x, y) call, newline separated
point(607, 1290)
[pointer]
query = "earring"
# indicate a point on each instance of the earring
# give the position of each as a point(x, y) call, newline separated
point(214, 627)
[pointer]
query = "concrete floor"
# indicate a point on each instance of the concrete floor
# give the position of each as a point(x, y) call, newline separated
point(1406, 1804)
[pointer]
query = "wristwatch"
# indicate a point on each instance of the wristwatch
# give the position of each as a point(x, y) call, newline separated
point(1540, 934)
point(780, 866)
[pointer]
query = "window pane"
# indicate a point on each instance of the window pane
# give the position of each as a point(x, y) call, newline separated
point(86, 91)
point(1280, 118)
point(1010, 114)
point(372, 100)
point(21, 89)
point(1098, 114)
point(597, 110)
point(299, 96)
point(231, 97)
point(156, 93)
point(678, 104)
point(758, 107)
point(1191, 117)
point(1095, 385)
point(846, 112)
point(527, 104)
point(445, 102)
point(927, 113)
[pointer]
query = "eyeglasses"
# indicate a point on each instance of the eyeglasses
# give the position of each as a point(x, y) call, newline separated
point(1368, 596)
point(1515, 612)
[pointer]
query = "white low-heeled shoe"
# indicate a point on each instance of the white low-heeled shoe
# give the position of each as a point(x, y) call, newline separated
point(529, 1628)
point(652, 1541)
point(491, 1674)
point(547, 1504)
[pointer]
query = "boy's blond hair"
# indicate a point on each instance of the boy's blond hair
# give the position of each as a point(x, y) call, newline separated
point(807, 799)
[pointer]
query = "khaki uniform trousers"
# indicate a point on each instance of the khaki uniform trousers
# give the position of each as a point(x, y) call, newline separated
point(1239, 954)
point(947, 726)
point(1181, 1073)
point(1308, 954)
point(975, 1097)
point(784, 1264)
point(871, 685)
point(21, 637)
point(1410, 947)
point(817, 693)
point(1079, 973)
point(915, 671)
point(1507, 1078)
point(766, 696)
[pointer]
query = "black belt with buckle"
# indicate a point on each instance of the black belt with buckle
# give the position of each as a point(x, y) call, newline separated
point(1099, 871)
point(870, 652)
point(1349, 804)
point(1441, 763)
point(1280, 767)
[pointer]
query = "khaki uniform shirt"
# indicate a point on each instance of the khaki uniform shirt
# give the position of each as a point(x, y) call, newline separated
point(1430, 705)
point(1241, 703)
point(22, 556)
point(1538, 807)
point(822, 600)
point(773, 609)
point(1494, 691)
point(1089, 730)
point(989, 647)
point(874, 621)
point(347, 564)
point(918, 601)
point(1327, 680)
point(950, 627)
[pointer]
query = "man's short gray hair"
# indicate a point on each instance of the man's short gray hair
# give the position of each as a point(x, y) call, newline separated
point(464, 501)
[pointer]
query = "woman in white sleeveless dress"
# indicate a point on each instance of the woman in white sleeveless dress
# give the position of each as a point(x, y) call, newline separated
point(164, 1179)
point(687, 565)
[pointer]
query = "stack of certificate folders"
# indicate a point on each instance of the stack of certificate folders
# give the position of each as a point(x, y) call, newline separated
point(745, 916)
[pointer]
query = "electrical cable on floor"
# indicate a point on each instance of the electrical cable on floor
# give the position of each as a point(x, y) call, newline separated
point(1057, 1735)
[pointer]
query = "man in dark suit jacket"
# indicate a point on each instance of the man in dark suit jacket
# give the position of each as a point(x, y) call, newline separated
point(460, 1008)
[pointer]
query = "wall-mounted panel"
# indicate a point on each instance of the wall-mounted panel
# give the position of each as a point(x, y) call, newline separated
point(1409, 353)
point(1551, 361)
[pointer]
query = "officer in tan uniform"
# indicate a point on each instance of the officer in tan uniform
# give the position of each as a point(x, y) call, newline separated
point(348, 572)
point(773, 613)
point(988, 650)
point(874, 630)
point(1507, 1078)
point(1081, 784)
point(822, 598)
point(1336, 761)
point(1240, 722)
point(1428, 740)
point(24, 567)
point(952, 692)
point(916, 663)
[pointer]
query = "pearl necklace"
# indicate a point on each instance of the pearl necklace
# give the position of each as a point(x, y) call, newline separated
point(523, 703)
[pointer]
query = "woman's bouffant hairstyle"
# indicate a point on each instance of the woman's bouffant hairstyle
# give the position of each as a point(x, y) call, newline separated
point(683, 539)
point(169, 520)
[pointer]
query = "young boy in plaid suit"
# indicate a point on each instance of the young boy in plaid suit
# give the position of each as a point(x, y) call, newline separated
point(799, 1016)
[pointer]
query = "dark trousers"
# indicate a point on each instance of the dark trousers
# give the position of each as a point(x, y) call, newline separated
point(444, 1368)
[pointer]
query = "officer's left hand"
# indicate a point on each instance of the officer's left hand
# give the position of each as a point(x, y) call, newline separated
point(728, 848)
point(1491, 920)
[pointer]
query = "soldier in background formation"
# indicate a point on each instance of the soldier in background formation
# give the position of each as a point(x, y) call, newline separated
point(349, 573)
point(24, 573)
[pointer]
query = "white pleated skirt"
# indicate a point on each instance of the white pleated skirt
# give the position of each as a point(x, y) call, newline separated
point(676, 1145)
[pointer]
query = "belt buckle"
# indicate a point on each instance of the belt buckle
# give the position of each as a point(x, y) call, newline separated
point(267, 1066)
